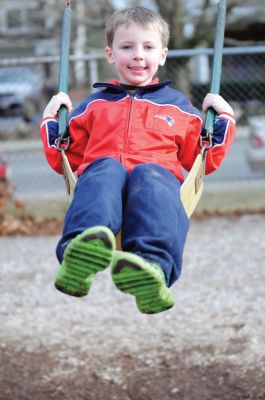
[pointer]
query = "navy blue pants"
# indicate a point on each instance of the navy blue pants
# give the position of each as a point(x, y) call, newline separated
point(145, 203)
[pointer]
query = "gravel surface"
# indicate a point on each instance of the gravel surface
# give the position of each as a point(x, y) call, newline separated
point(211, 345)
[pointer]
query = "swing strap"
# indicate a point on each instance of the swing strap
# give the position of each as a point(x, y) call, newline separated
point(64, 73)
point(208, 126)
point(192, 188)
point(64, 139)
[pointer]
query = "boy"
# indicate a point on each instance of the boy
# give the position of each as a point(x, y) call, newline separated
point(129, 142)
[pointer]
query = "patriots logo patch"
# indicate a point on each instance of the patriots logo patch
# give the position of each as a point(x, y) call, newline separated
point(169, 120)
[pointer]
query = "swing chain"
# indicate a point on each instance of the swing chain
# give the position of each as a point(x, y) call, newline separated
point(206, 141)
point(62, 143)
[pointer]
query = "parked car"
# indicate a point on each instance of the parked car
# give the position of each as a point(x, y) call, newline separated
point(256, 151)
point(21, 92)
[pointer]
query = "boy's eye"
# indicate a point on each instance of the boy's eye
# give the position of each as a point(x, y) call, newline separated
point(126, 47)
point(149, 47)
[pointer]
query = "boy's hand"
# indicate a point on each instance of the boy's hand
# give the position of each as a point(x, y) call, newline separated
point(55, 103)
point(218, 103)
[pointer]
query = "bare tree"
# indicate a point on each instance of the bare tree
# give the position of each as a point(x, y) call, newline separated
point(200, 16)
point(192, 24)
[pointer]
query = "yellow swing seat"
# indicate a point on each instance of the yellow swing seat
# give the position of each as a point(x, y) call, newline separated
point(190, 191)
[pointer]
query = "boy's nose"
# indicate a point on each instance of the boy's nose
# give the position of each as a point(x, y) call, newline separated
point(138, 55)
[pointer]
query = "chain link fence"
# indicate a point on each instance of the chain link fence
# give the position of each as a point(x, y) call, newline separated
point(243, 85)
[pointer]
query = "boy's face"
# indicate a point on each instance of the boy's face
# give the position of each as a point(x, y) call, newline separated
point(137, 53)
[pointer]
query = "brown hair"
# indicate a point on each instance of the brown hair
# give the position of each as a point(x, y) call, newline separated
point(141, 16)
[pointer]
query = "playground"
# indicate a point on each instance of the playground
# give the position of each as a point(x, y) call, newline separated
point(209, 346)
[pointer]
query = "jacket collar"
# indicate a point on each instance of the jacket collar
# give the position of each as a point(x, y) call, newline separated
point(115, 85)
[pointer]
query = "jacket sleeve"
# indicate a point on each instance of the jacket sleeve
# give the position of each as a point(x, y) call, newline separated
point(223, 136)
point(49, 135)
point(78, 140)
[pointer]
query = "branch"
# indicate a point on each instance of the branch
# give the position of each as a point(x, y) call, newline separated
point(200, 24)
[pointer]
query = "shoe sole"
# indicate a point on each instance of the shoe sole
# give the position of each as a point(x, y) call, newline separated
point(134, 276)
point(88, 253)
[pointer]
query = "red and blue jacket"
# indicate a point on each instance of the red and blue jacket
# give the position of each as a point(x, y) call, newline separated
point(157, 124)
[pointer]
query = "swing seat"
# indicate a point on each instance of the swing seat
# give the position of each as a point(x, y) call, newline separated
point(190, 191)
point(192, 188)
point(118, 241)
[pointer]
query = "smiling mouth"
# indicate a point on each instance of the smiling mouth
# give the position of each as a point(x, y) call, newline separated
point(138, 68)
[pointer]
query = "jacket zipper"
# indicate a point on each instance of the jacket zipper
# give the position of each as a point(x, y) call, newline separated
point(127, 134)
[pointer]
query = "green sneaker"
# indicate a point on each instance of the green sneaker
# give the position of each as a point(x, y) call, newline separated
point(88, 253)
point(144, 280)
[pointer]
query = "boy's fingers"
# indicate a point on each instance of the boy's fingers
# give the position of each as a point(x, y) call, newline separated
point(63, 98)
point(55, 103)
point(218, 103)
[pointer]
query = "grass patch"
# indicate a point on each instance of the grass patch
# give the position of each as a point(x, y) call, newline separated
point(54, 209)
point(251, 200)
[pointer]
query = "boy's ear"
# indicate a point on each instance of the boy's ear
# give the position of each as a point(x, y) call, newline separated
point(109, 55)
point(163, 56)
